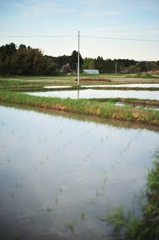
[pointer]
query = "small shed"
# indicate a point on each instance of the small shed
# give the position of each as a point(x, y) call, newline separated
point(91, 71)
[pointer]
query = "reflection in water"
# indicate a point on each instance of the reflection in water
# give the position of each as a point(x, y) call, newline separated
point(59, 176)
point(93, 93)
point(132, 85)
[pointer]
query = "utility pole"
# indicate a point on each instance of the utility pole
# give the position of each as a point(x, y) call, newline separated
point(78, 66)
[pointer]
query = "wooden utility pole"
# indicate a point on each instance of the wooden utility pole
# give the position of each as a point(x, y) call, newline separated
point(78, 66)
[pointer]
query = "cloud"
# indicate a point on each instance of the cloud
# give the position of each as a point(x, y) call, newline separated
point(101, 14)
point(34, 8)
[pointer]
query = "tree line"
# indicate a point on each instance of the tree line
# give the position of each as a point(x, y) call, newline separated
point(27, 61)
point(120, 65)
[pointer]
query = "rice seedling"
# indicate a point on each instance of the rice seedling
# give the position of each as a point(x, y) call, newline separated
point(12, 194)
point(82, 215)
point(57, 200)
point(49, 209)
point(70, 227)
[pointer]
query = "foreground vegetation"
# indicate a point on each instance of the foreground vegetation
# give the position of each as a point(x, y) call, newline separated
point(127, 226)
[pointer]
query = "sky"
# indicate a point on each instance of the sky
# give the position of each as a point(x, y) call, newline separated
point(125, 29)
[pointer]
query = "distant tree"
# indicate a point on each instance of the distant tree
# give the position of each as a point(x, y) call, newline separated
point(60, 61)
point(25, 61)
point(142, 66)
point(49, 66)
point(9, 49)
point(99, 63)
point(22, 47)
point(6, 53)
point(88, 63)
point(110, 66)
point(132, 69)
point(157, 63)
point(91, 65)
point(73, 60)
point(153, 66)
point(128, 62)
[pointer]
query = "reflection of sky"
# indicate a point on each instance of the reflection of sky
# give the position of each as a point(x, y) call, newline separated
point(139, 85)
point(55, 170)
point(93, 93)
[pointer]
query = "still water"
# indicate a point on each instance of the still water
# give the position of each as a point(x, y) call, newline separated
point(129, 85)
point(137, 85)
point(93, 93)
point(59, 176)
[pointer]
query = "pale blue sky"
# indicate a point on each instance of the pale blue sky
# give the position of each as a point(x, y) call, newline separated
point(102, 25)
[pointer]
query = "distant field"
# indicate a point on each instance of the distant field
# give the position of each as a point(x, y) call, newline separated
point(70, 79)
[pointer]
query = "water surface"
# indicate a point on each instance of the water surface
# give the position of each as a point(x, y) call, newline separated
point(128, 85)
point(93, 93)
point(59, 176)
point(132, 85)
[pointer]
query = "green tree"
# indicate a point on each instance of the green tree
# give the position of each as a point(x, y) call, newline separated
point(73, 60)
point(6, 53)
point(133, 69)
point(88, 63)
point(142, 67)
point(153, 66)
point(60, 61)
point(110, 66)
point(99, 63)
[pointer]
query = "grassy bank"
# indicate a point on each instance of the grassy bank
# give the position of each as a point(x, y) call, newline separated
point(81, 106)
point(10, 86)
point(36, 83)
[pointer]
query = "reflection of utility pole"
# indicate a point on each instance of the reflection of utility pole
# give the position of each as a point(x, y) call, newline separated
point(116, 68)
point(78, 69)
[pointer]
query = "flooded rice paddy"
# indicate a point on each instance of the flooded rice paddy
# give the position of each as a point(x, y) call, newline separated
point(94, 93)
point(132, 85)
point(59, 176)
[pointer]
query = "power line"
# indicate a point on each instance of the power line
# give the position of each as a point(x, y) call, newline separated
point(65, 36)
point(125, 39)
point(36, 36)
